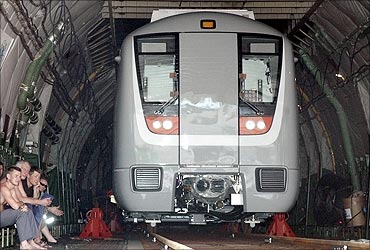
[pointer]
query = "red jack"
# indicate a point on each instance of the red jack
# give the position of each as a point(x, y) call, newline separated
point(95, 227)
point(280, 227)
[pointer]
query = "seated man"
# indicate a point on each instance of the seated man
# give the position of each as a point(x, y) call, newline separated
point(13, 211)
point(30, 186)
point(19, 191)
point(39, 211)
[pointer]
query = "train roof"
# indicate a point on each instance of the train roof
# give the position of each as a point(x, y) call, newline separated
point(162, 13)
point(189, 22)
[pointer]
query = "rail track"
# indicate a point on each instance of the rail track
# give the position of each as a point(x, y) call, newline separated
point(205, 238)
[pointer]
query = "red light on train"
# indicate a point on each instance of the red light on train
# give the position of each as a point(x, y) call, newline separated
point(252, 125)
point(165, 125)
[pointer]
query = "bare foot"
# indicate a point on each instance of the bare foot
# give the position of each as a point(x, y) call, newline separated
point(25, 245)
point(35, 245)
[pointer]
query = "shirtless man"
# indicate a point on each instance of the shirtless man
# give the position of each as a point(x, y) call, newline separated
point(16, 212)
point(19, 191)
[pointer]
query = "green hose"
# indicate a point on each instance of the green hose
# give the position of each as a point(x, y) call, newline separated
point(347, 145)
point(27, 88)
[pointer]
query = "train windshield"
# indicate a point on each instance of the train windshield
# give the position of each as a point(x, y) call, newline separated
point(157, 67)
point(260, 67)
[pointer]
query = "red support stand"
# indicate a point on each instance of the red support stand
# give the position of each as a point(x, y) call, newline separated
point(280, 227)
point(95, 227)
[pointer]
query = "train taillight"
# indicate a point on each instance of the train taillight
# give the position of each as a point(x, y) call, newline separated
point(251, 125)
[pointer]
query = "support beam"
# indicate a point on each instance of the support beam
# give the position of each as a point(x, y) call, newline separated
point(263, 9)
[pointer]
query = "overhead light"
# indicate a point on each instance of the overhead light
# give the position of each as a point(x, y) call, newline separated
point(113, 199)
point(339, 76)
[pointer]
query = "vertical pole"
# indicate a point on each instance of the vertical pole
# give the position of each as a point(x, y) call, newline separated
point(2, 238)
point(308, 195)
point(7, 236)
point(367, 225)
point(12, 233)
point(70, 198)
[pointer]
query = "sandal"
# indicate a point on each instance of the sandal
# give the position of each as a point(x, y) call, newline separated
point(53, 243)
point(42, 243)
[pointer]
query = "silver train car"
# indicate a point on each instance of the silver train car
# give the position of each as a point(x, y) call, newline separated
point(205, 121)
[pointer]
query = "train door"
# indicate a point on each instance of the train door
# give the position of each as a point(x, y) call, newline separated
point(208, 99)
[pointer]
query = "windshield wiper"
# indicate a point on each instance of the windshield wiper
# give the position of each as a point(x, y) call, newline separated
point(165, 105)
point(252, 106)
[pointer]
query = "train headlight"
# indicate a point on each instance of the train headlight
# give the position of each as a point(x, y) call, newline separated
point(250, 125)
point(254, 125)
point(163, 125)
point(261, 125)
point(157, 124)
point(167, 124)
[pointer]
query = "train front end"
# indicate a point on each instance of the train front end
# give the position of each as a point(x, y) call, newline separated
point(206, 123)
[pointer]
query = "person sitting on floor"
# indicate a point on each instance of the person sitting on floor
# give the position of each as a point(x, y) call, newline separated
point(13, 211)
point(39, 211)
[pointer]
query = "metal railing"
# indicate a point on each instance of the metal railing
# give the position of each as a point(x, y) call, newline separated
point(7, 236)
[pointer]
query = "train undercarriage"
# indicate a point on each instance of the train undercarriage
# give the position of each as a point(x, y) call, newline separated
point(202, 200)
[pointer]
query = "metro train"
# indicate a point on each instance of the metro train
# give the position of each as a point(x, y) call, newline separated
point(205, 123)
